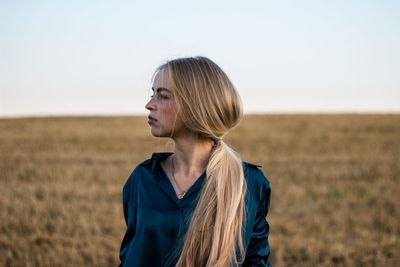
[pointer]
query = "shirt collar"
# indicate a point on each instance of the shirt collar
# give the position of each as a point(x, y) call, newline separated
point(156, 158)
point(161, 179)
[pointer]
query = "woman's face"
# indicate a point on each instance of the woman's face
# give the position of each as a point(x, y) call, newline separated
point(164, 119)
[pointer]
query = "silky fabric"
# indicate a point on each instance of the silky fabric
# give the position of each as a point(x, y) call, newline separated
point(157, 220)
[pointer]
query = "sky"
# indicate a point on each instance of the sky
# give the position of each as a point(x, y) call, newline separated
point(98, 57)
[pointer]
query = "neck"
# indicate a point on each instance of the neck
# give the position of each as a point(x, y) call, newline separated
point(191, 155)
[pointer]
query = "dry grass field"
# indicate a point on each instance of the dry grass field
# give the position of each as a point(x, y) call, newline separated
point(335, 184)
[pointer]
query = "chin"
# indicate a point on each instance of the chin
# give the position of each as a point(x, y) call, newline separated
point(157, 133)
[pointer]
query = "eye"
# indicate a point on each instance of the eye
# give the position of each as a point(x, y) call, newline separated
point(160, 96)
point(163, 96)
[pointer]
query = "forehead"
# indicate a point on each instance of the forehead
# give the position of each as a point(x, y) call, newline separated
point(162, 80)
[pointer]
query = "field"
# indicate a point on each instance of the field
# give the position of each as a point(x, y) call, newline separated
point(335, 186)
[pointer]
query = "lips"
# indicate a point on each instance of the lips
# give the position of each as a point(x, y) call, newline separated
point(151, 118)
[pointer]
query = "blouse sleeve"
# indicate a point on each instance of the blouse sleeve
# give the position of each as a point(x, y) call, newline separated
point(258, 249)
point(129, 219)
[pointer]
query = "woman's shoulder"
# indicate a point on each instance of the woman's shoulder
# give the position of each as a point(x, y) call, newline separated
point(257, 181)
point(254, 172)
point(147, 167)
point(141, 170)
point(142, 166)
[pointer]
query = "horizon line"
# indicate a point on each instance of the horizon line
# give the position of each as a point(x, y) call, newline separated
point(123, 114)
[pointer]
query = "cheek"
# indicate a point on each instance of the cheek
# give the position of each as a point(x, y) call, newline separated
point(168, 112)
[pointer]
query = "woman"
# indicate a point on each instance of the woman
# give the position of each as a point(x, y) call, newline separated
point(200, 205)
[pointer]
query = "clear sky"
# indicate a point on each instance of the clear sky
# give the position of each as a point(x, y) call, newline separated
point(97, 57)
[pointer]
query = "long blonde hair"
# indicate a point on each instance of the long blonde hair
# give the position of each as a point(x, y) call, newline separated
point(209, 105)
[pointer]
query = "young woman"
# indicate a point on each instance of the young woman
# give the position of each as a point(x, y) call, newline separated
point(200, 205)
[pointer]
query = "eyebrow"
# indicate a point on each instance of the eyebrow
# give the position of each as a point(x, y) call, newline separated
point(159, 89)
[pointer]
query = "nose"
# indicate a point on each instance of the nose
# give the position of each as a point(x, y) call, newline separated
point(150, 105)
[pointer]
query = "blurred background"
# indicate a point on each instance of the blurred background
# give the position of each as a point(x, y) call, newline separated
point(320, 86)
point(97, 57)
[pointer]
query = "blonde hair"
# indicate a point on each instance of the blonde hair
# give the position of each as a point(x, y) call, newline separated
point(209, 105)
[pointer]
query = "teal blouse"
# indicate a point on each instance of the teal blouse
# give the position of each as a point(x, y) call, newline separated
point(157, 220)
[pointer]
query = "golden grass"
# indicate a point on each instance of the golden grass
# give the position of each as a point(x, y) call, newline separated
point(335, 184)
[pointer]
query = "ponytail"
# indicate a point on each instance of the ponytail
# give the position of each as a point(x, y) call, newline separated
point(215, 231)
